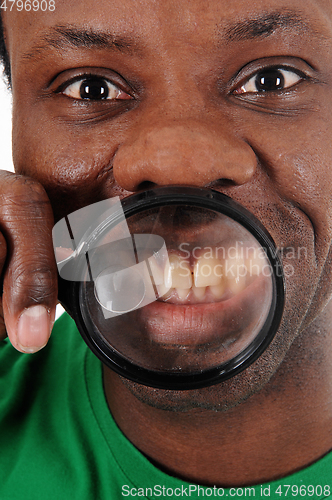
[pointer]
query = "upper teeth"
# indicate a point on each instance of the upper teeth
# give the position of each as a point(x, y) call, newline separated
point(177, 273)
point(208, 272)
point(237, 272)
point(219, 275)
point(255, 262)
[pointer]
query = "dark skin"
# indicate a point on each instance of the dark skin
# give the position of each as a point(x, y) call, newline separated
point(184, 112)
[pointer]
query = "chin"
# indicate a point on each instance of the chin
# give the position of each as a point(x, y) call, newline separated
point(274, 370)
point(220, 397)
point(238, 389)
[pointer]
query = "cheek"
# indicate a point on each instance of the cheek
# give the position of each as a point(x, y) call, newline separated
point(297, 161)
point(73, 163)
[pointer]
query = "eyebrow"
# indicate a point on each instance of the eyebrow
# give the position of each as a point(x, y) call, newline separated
point(62, 37)
point(65, 37)
point(267, 24)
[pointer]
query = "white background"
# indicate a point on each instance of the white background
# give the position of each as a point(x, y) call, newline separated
point(6, 138)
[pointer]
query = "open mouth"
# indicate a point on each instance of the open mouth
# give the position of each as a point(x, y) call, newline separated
point(209, 302)
point(207, 305)
point(160, 306)
point(180, 304)
point(194, 295)
point(209, 274)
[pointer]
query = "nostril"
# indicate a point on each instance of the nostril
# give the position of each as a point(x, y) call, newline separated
point(227, 183)
point(145, 185)
point(183, 154)
point(221, 183)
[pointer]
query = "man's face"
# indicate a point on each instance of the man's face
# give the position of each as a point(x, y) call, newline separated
point(235, 96)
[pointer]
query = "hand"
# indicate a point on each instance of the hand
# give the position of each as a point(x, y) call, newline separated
point(27, 263)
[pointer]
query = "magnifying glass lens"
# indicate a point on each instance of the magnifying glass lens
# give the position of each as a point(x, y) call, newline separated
point(180, 292)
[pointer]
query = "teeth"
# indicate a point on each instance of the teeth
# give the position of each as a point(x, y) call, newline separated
point(237, 285)
point(163, 291)
point(177, 273)
point(218, 275)
point(183, 292)
point(256, 261)
point(218, 290)
point(236, 272)
point(208, 272)
point(156, 271)
point(199, 292)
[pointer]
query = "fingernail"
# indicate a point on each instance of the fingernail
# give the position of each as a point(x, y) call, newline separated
point(34, 328)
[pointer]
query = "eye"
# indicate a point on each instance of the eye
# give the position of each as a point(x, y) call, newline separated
point(94, 88)
point(270, 80)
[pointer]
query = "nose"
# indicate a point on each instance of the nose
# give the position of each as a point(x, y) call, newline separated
point(183, 153)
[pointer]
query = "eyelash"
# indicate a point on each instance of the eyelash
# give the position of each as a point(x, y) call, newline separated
point(283, 73)
point(73, 88)
point(94, 81)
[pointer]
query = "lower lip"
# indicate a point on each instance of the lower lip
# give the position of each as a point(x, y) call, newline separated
point(238, 319)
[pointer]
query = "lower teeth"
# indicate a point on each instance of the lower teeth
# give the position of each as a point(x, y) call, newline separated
point(218, 290)
point(183, 293)
point(199, 292)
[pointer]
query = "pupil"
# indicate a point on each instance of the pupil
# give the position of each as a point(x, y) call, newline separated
point(93, 89)
point(269, 80)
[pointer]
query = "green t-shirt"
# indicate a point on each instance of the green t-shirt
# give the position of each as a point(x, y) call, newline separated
point(59, 441)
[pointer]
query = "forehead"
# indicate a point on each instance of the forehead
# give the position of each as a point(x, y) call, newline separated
point(169, 21)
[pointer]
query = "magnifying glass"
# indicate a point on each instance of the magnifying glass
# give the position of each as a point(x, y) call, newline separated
point(175, 288)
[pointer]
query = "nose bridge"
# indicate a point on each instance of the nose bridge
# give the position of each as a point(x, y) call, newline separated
point(178, 150)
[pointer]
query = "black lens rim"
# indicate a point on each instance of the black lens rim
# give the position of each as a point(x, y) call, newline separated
point(70, 293)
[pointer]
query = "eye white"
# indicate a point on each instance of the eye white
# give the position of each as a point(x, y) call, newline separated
point(74, 89)
point(290, 78)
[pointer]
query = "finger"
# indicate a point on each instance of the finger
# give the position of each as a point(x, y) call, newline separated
point(3, 331)
point(3, 253)
point(30, 277)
